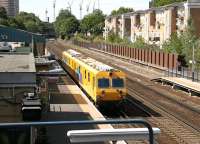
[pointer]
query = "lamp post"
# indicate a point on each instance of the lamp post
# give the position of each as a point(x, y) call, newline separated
point(193, 62)
point(193, 59)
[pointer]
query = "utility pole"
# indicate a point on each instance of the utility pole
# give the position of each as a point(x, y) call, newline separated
point(81, 8)
point(54, 10)
point(193, 61)
point(46, 14)
point(88, 7)
point(94, 5)
point(70, 5)
point(98, 4)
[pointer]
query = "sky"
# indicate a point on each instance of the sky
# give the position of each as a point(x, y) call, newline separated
point(40, 6)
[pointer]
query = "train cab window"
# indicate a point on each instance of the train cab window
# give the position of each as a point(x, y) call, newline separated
point(117, 82)
point(103, 83)
point(88, 77)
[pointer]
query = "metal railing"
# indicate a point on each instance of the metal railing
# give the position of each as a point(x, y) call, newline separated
point(86, 122)
point(183, 72)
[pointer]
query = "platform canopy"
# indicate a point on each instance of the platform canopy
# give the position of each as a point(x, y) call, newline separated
point(9, 34)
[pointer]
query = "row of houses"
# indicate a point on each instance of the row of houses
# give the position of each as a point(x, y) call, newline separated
point(155, 25)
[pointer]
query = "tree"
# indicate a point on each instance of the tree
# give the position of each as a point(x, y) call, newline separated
point(183, 44)
point(93, 23)
point(189, 40)
point(31, 22)
point(66, 24)
point(157, 3)
point(12, 22)
point(121, 10)
point(3, 13)
point(48, 29)
point(173, 45)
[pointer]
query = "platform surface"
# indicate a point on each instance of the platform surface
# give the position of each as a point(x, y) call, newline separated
point(183, 82)
point(69, 103)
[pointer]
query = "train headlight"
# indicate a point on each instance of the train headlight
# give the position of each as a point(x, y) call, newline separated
point(103, 93)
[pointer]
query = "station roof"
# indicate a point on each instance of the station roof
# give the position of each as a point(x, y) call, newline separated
point(20, 62)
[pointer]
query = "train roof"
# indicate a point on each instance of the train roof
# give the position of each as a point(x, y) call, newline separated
point(99, 66)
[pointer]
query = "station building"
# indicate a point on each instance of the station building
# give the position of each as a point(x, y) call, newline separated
point(17, 75)
point(155, 25)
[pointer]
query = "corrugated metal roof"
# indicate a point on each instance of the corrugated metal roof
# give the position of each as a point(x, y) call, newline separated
point(15, 35)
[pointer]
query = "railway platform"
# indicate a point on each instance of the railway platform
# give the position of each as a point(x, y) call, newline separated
point(193, 88)
point(68, 103)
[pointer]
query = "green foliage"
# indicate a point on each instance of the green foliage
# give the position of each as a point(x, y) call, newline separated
point(121, 10)
point(157, 3)
point(93, 23)
point(12, 22)
point(25, 21)
point(114, 38)
point(140, 43)
point(66, 24)
point(99, 38)
point(3, 13)
point(4, 22)
point(184, 43)
point(173, 45)
point(31, 22)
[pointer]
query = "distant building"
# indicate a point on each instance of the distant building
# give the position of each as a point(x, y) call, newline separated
point(155, 25)
point(11, 6)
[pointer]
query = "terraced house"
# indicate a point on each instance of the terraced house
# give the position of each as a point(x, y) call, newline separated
point(155, 25)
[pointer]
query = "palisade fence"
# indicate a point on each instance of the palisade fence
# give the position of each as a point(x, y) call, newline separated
point(183, 72)
point(167, 62)
point(152, 58)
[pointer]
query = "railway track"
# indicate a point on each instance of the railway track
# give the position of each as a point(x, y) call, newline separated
point(177, 128)
point(181, 128)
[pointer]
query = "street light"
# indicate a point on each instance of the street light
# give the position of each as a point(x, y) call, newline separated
point(193, 62)
point(193, 59)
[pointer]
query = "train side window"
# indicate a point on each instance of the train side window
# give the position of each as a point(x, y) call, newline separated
point(85, 74)
point(79, 69)
point(93, 82)
point(88, 77)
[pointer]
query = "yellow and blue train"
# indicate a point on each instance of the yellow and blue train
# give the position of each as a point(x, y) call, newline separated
point(102, 83)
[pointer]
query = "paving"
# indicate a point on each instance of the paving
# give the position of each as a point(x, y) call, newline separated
point(182, 82)
point(69, 103)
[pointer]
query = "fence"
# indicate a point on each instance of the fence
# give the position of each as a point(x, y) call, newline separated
point(183, 72)
point(77, 123)
point(152, 58)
